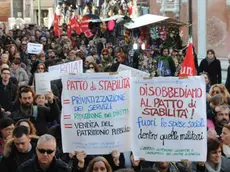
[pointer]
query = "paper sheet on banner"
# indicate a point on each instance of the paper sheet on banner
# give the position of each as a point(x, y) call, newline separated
point(33, 48)
point(95, 115)
point(134, 72)
point(169, 119)
point(75, 67)
point(42, 81)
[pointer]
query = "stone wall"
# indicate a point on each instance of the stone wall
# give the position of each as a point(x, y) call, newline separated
point(4, 10)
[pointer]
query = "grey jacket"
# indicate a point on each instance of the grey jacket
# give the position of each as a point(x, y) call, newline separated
point(21, 76)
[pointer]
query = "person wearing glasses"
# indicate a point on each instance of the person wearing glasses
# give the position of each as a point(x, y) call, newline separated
point(19, 149)
point(92, 68)
point(45, 159)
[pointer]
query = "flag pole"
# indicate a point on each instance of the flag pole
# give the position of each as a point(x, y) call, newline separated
point(39, 12)
point(190, 18)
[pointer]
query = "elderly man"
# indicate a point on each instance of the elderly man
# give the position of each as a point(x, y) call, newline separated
point(45, 159)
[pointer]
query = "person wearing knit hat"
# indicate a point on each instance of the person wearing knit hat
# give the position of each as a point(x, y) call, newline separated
point(6, 123)
point(6, 130)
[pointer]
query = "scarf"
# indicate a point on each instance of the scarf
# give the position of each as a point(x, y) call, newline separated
point(164, 59)
point(226, 150)
point(27, 112)
point(210, 169)
point(210, 60)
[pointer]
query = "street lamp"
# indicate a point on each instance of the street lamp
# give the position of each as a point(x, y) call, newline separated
point(143, 46)
point(135, 46)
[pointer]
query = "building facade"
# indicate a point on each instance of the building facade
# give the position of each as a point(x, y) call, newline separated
point(4, 10)
point(211, 30)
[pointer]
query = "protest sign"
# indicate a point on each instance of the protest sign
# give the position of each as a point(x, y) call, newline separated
point(33, 48)
point(134, 72)
point(42, 82)
point(95, 113)
point(169, 119)
point(75, 67)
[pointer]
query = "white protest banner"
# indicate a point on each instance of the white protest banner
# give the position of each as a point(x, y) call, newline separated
point(95, 116)
point(42, 83)
point(134, 72)
point(169, 119)
point(75, 67)
point(33, 48)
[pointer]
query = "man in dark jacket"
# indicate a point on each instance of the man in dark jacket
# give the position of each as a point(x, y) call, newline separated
point(39, 115)
point(8, 90)
point(45, 159)
point(18, 150)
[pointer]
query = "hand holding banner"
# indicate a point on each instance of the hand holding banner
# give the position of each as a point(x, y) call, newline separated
point(95, 115)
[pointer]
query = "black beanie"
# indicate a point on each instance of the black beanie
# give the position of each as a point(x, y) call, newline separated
point(5, 122)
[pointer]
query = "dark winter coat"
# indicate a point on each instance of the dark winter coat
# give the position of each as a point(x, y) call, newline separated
point(227, 83)
point(44, 115)
point(32, 165)
point(8, 94)
point(213, 70)
point(12, 159)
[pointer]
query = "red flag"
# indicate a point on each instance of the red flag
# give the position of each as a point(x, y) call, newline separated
point(188, 66)
point(85, 26)
point(85, 23)
point(88, 33)
point(56, 27)
point(69, 30)
point(75, 25)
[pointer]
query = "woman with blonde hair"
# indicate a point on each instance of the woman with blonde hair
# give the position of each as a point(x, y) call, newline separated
point(99, 164)
point(220, 89)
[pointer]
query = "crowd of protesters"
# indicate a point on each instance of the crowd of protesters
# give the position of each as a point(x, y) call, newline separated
point(30, 132)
